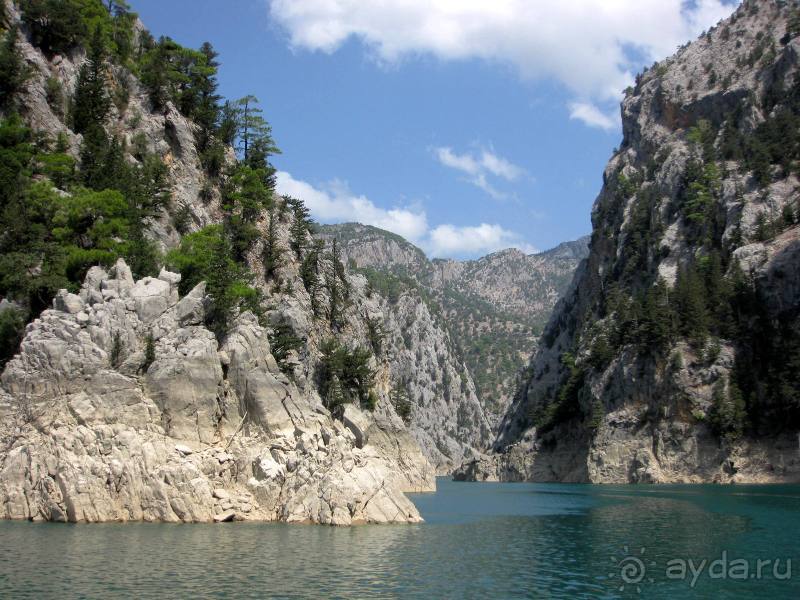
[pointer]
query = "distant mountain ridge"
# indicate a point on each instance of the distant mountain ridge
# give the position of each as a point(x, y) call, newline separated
point(494, 307)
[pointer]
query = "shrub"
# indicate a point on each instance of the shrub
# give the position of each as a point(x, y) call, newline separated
point(12, 328)
point(149, 352)
point(282, 341)
point(349, 369)
point(727, 416)
point(205, 255)
point(115, 358)
point(402, 404)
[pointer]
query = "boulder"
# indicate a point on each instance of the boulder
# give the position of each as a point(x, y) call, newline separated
point(358, 423)
point(190, 310)
point(69, 303)
point(151, 298)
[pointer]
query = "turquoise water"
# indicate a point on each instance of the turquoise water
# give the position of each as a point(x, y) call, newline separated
point(480, 540)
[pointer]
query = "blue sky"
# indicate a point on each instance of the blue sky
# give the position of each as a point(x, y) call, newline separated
point(465, 125)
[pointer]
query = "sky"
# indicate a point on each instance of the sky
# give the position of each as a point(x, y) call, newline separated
point(466, 126)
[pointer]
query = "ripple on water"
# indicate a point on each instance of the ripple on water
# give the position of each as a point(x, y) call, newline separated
point(479, 540)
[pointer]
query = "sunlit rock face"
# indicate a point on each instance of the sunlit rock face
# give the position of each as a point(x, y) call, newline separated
point(691, 187)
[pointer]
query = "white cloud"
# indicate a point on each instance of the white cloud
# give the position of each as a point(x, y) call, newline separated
point(479, 166)
point(335, 203)
point(584, 45)
point(499, 166)
point(338, 204)
point(592, 116)
point(450, 240)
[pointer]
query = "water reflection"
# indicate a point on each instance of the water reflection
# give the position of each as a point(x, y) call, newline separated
point(480, 540)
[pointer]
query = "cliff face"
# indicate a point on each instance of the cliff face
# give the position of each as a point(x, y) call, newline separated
point(673, 356)
point(95, 430)
point(121, 404)
point(487, 313)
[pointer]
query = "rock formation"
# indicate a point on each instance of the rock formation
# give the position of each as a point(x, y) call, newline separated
point(491, 309)
point(122, 406)
point(673, 356)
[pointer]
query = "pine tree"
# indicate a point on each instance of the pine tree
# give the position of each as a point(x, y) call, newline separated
point(402, 405)
point(56, 26)
point(656, 326)
point(255, 136)
point(271, 255)
point(13, 71)
point(207, 113)
point(301, 226)
point(690, 305)
point(91, 103)
point(228, 123)
point(337, 287)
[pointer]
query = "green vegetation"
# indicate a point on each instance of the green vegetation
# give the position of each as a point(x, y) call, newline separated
point(401, 402)
point(58, 26)
point(336, 284)
point(149, 352)
point(206, 255)
point(727, 416)
point(117, 348)
point(566, 404)
point(283, 341)
point(302, 225)
point(12, 327)
point(13, 71)
point(376, 335)
point(91, 102)
point(344, 376)
point(271, 254)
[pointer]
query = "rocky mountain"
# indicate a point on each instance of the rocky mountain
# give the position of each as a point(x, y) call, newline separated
point(203, 357)
point(493, 309)
point(674, 355)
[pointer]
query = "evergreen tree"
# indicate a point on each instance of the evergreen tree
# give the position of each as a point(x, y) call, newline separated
point(727, 416)
point(301, 225)
point(56, 26)
point(207, 113)
point(228, 124)
point(336, 282)
point(271, 255)
point(91, 103)
point(205, 255)
point(12, 328)
point(283, 341)
point(690, 305)
point(255, 134)
point(13, 71)
point(402, 405)
point(656, 326)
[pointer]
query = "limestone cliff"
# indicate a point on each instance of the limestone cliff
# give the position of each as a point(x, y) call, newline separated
point(489, 312)
point(95, 430)
point(121, 404)
point(673, 356)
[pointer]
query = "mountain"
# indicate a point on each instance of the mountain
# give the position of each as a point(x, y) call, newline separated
point(493, 308)
point(175, 344)
point(673, 357)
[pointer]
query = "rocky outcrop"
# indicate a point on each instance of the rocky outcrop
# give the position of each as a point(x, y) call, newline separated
point(491, 309)
point(122, 406)
point(167, 134)
point(602, 405)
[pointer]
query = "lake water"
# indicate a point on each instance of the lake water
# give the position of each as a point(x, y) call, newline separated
point(479, 540)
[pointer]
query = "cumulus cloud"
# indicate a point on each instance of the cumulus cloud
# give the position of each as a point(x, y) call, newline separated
point(450, 240)
point(479, 166)
point(592, 116)
point(592, 47)
point(335, 203)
